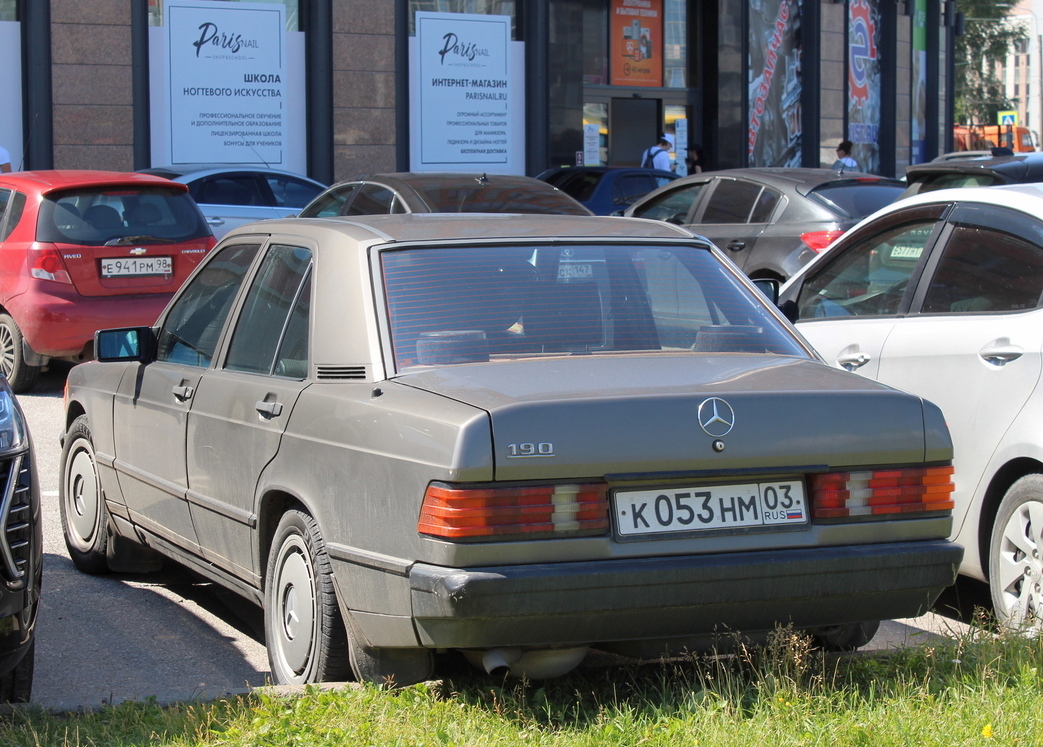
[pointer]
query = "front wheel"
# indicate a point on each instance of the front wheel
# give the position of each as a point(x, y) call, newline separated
point(1015, 561)
point(85, 520)
point(21, 376)
point(303, 629)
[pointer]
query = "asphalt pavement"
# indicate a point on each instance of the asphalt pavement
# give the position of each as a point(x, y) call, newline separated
point(171, 636)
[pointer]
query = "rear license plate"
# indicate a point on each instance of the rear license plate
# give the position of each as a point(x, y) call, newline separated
point(642, 512)
point(129, 266)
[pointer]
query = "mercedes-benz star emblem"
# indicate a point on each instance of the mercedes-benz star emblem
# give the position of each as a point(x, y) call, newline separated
point(716, 417)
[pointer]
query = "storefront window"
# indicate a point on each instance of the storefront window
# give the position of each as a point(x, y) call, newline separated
point(675, 46)
point(478, 7)
point(293, 15)
point(8, 10)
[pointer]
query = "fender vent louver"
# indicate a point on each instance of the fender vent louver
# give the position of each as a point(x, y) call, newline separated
point(340, 372)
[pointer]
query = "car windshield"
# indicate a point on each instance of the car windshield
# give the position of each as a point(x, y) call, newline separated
point(114, 215)
point(857, 199)
point(496, 195)
point(473, 304)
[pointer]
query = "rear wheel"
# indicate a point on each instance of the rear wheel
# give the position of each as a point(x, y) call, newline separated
point(20, 374)
point(303, 629)
point(1015, 561)
point(85, 520)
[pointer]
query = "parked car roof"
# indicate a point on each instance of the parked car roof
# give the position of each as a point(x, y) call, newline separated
point(1020, 168)
point(438, 192)
point(606, 190)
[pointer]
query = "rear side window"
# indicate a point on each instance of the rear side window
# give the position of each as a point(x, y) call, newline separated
point(474, 304)
point(731, 202)
point(119, 215)
point(373, 199)
point(985, 270)
point(856, 200)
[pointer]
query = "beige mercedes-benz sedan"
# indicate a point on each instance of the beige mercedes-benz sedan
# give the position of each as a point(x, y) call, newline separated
point(518, 436)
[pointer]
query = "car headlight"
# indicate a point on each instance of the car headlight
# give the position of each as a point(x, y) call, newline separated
point(13, 431)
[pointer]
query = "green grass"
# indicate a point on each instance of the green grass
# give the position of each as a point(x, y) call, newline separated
point(983, 689)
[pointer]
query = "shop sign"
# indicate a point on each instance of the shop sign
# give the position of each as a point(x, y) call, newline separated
point(467, 93)
point(636, 50)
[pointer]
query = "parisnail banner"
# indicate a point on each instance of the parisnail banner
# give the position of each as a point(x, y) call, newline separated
point(227, 68)
point(468, 94)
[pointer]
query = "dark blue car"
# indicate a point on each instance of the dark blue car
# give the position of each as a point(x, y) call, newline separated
point(604, 189)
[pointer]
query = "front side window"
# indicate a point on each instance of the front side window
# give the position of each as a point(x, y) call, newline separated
point(264, 320)
point(192, 327)
point(472, 304)
point(291, 192)
point(982, 270)
point(672, 206)
point(870, 278)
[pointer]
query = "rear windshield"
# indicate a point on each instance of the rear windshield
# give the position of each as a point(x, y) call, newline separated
point(931, 182)
point(117, 215)
point(857, 199)
point(467, 304)
point(495, 197)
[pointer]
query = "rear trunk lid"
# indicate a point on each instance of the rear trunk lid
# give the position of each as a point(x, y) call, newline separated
point(633, 416)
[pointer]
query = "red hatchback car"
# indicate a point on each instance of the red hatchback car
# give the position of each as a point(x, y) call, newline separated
point(87, 250)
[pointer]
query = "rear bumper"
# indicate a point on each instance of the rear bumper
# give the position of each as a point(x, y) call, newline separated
point(62, 326)
point(671, 597)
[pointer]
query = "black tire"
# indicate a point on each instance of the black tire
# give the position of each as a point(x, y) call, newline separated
point(304, 632)
point(20, 375)
point(17, 685)
point(846, 637)
point(85, 520)
point(1015, 551)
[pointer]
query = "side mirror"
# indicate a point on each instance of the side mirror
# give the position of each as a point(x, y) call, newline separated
point(769, 287)
point(124, 344)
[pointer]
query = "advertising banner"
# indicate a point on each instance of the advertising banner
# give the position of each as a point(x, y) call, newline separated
point(863, 82)
point(919, 81)
point(227, 67)
point(11, 91)
point(636, 48)
point(775, 126)
point(467, 90)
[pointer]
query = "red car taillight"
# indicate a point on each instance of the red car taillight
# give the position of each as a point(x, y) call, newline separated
point(817, 241)
point(871, 493)
point(458, 512)
point(47, 264)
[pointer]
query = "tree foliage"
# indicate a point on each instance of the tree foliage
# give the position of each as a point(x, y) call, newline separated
point(989, 35)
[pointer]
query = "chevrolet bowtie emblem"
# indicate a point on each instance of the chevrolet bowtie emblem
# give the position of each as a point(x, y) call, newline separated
point(138, 251)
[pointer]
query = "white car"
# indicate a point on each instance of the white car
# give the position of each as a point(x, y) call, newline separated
point(939, 294)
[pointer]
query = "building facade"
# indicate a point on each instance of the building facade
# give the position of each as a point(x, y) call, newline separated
point(357, 86)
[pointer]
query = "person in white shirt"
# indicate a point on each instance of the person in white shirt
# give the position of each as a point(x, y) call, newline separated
point(5, 160)
point(658, 156)
point(844, 160)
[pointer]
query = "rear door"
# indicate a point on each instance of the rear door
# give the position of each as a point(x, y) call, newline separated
point(241, 407)
point(735, 215)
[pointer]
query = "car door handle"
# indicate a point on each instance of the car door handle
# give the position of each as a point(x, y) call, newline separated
point(215, 221)
point(1001, 352)
point(269, 409)
point(183, 392)
point(737, 246)
point(851, 361)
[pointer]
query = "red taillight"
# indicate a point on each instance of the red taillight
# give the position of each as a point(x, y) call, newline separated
point(886, 491)
point(47, 264)
point(457, 512)
point(819, 240)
